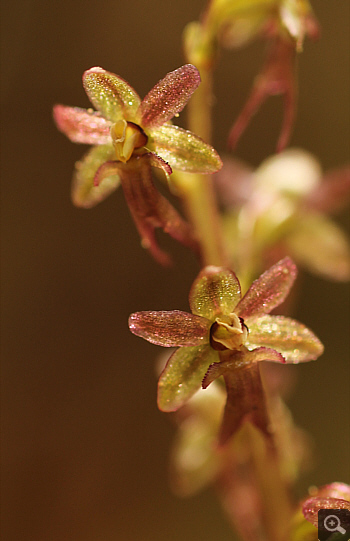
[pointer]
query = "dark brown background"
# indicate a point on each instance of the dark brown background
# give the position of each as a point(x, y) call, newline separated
point(85, 449)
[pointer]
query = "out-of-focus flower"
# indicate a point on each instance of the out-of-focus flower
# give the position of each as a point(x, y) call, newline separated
point(282, 208)
point(226, 335)
point(130, 136)
point(231, 23)
point(195, 461)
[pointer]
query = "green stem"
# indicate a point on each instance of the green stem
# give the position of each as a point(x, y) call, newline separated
point(197, 191)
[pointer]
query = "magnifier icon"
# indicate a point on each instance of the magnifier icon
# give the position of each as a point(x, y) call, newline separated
point(332, 524)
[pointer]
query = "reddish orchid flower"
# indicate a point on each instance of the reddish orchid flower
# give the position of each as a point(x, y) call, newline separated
point(130, 136)
point(226, 335)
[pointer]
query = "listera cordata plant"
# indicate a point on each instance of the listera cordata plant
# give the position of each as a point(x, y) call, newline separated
point(227, 335)
point(130, 137)
point(282, 24)
point(230, 328)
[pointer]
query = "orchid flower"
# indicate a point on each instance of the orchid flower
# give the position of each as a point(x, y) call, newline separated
point(283, 208)
point(226, 335)
point(130, 136)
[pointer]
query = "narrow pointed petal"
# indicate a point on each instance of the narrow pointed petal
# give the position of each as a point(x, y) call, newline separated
point(289, 337)
point(184, 150)
point(150, 209)
point(245, 396)
point(321, 246)
point(111, 95)
point(216, 290)
point(169, 329)
point(312, 506)
point(269, 290)
point(82, 126)
point(169, 96)
point(183, 375)
point(84, 192)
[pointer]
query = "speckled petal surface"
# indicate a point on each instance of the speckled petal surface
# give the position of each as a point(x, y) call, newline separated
point(216, 290)
point(184, 150)
point(81, 125)
point(173, 328)
point(289, 337)
point(169, 96)
point(269, 290)
point(183, 375)
point(84, 192)
point(312, 506)
point(111, 95)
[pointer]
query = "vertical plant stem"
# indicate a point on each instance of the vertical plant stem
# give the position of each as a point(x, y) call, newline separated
point(197, 191)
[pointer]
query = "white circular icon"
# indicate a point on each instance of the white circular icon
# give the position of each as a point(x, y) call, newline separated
point(332, 524)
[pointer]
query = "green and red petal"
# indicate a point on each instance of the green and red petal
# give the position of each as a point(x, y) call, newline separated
point(82, 126)
point(169, 96)
point(111, 95)
point(85, 193)
point(287, 336)
point(216, 290)
point(312, 506)
point(269, 290)
point(184, 150)
point(170, 328)
point(183, 375)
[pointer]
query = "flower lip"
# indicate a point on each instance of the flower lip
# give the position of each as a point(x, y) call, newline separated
point(228, 332)
point(127, 137)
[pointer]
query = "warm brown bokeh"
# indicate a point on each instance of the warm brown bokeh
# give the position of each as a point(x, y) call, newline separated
point(85, 450)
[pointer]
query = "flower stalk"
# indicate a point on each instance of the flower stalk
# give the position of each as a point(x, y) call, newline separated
point(197, 191)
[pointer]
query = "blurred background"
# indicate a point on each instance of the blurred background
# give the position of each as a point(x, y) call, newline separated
point(85, 450)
